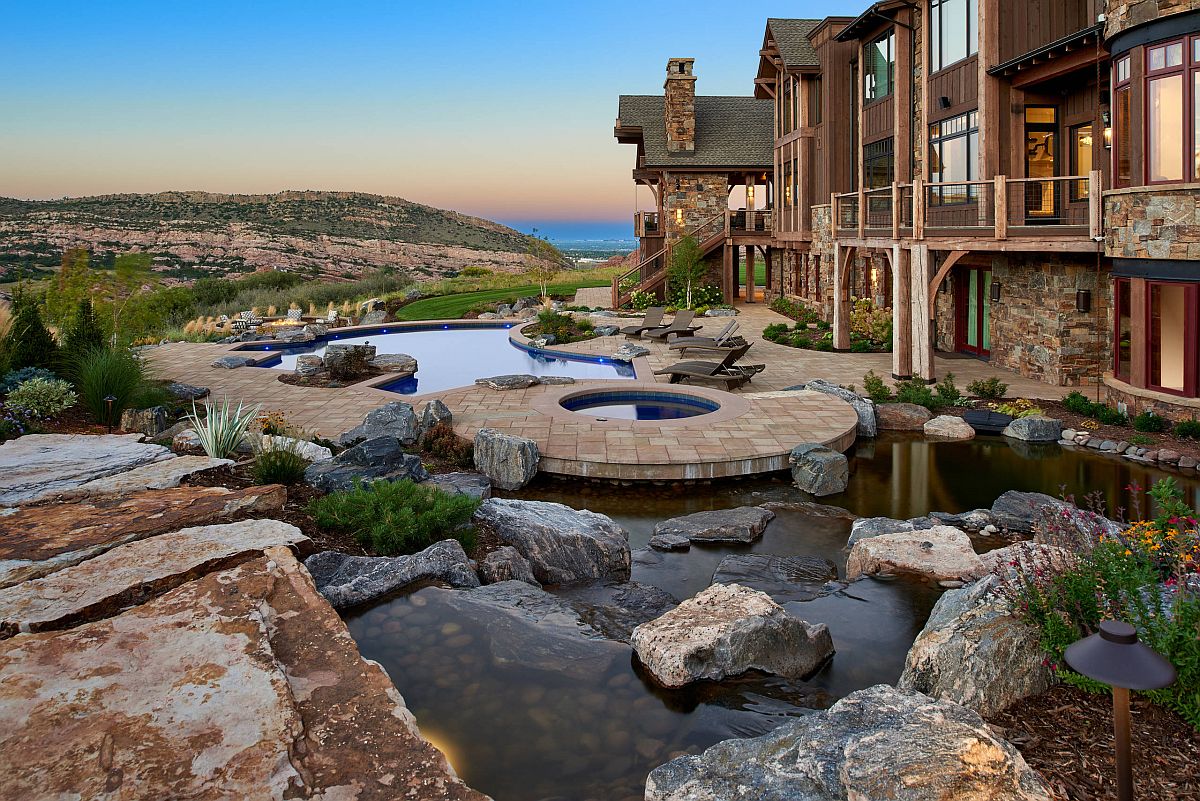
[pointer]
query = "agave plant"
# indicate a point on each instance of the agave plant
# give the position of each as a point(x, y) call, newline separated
point(222, 429)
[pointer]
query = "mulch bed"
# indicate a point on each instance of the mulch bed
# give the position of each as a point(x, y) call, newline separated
point(1067, 736)
point(73, 421)
point(1187, 447)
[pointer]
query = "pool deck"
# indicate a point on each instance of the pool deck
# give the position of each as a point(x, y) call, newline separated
point(753, 432)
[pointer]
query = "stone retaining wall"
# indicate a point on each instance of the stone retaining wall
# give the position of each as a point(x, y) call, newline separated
point(1153, 224)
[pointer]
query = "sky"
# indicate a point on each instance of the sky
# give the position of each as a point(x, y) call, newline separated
point(503, 110)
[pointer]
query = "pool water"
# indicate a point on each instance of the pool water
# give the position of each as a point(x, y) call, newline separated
point(449, 357)
point(523, 731)
point(619, 405)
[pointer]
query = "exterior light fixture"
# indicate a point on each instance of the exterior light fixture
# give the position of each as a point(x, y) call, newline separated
point(995, 293)
point(944, 102)
point(1106, 119)
point(1114, 657)
point(679, 216)
point(109, 400)
point(1083, 300)
point(750, 197)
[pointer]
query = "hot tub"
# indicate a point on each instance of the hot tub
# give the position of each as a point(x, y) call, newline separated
point(638, 405)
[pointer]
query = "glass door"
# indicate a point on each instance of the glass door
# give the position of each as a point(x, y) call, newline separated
point(1041, 161)
point(973, 307)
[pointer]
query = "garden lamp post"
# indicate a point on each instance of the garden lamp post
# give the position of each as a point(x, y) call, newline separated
point(1115, 657)
point(109, 400)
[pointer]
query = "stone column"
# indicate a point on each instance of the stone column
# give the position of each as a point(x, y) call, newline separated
point(902, 327)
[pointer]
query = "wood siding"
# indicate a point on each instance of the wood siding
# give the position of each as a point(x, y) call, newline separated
point(960, 83)
point(1041, 22)
point(879, 119)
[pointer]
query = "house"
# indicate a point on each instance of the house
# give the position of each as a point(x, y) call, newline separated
point(1015, 180)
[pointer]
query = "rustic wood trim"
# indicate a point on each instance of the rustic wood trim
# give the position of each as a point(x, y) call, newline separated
point(948, 265)
point(1000, 201)
point(902, 328)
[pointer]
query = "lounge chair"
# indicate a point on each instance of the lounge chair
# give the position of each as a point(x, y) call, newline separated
point(728, 338)
point(727, 370)
point(681, 325)
point(651, 321)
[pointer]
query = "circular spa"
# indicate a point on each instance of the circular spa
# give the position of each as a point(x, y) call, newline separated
point(638, 405)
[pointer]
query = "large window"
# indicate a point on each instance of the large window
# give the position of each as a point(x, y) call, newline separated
point(879, 166)
point(1172, 104)
point(1081, 159)
point(1158, 327)
point(955, 32)
point(954, 156)
point(1123, 352)
point(879, 69)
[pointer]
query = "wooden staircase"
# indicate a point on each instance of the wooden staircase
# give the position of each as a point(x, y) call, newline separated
point(650, 274)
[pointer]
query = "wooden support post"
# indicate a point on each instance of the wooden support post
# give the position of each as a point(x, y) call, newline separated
point(841, 296)
point(918, 208)
point(727, 286)
point(923, 311)
point(750, 273)
point(895, 210)
point(737, 289)
point(902, 329)
point(1001, 205)
point(862, 212)
point(1095, 206)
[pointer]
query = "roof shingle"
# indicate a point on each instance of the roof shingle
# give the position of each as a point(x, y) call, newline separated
point(730, 131)
point(791, 37)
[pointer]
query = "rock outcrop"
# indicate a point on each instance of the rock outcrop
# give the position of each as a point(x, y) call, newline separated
point(396, 419)
point(378, 459)
point(742, 524)
point(562, 544)
point(818, 470)
point(941, 553)
point(902, 417)
point(347, 580)
point(877, 743)
point(506, 564)
point(725, 631)
point(42, 465)
point(510, 462)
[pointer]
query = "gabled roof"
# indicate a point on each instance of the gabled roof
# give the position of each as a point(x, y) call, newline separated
point(791, 39)
point(872, 18)
point(730, 131)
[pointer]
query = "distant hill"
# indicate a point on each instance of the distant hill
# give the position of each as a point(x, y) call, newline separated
point(336, 234)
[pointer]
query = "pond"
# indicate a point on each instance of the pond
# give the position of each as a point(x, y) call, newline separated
point(449, 357)
point(519, 731)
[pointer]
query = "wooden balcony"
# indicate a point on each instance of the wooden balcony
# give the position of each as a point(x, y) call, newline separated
point(645, 223)
point(1060, 214)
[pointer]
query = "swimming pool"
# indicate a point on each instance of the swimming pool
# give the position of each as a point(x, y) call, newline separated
point(451, 356)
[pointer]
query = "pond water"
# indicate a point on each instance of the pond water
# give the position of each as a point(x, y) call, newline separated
point(522, 730)
point(449, 357)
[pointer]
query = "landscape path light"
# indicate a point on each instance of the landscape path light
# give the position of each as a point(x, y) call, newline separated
point(1114, 657)
point(109, 400)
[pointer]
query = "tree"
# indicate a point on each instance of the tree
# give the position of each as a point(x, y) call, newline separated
point(72, 284)
point(687, 268)
point(84, 333)
point(29, 343)
point(130, 275)
point(543, 262)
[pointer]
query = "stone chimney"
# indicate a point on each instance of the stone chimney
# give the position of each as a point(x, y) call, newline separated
point(679, 105)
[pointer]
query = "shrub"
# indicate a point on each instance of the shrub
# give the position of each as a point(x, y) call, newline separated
point(104, 373)
point(1150, 422)
point(914, 390)
point(279, 464)
point(354, 364)
point(43, 397)
point(1187, 429)
point(642, 300)
point(988, 388)
point(1018, 408)
point(397, 517)
point(947, 391)
point(83, 334)
point(28, 342)
point(222, 429)
point(1109, 416)
point(876, 389)
point(15, 422)
point(1141, 440)
point(870, 323)
point(1077, 402)
point(442, 442)
point(14, 378)
point(273, 424)
point(474, 272)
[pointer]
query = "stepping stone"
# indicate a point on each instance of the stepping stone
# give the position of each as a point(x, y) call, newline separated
point(39, 540)
point(40, 465)
point(941, 552)
point(743, 524)
point(131, 572)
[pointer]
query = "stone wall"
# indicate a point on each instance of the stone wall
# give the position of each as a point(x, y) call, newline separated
point(1035, 330)
point(943, 323)
point(1153, 224)
point(1123, 14)
point(1140, 400)
point(679, 106)
point(698, 204)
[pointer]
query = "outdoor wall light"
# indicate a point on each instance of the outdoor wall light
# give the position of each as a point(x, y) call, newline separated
point(944, 102)
point(1114, 657)
point(750, 197)
point(679, 216)
point(1083, 300)
point(1106, 119)
point(995, 294)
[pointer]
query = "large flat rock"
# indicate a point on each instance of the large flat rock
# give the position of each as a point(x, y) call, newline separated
point(38, 540)
point(132, 572)
point(942, 553)
point(42, 465)
point(742, 524)
point(156, 475)
point(241, 684)
point(347, 580)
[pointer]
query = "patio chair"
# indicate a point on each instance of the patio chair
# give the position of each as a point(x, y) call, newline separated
point(727, 371)
point(728, 338)
point(682, 324)
point(295, 315)
point(651, 321)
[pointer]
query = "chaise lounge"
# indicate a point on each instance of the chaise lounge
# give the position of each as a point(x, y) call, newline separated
point(651, 321)
point(727, 370)
point(726, 340)
point(682, 324)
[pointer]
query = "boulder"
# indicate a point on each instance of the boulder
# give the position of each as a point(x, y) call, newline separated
point(812, 509)
point(974, 520)
point(504, 310)
point(1022, 512)
point(395, 363)
point(376, 459)
point(133, 571)
point(544, 341)
point(865, 527)
point(563, 545)
point(510, 462)
point(156, 475)
point(396, 419)
point(232, 362)
point(865, 407)
point(187, 392)
point(488, 316)
point(316, 330)
point(337, 353)
point(743, 524)
point(818, 470)
point(309, 451)
point(504, 383)
point(433, 413)
point(309, 364)
point(473, 485)
point(555, 380)
point(506, 564)
point(628, 352)
point(40, 465)
point(902, 417)
point(947, 426)
point(670, 542)
point(940, 553)
point(616, 609)
point(373, 317)
point(725, 631)
point(39, 540)
point(1035, 428)
point(151, 422)
point(607, 330)
point(877, 743)
point(347, 580)
point(721, 312)
point(975, 652)
point(784, 578)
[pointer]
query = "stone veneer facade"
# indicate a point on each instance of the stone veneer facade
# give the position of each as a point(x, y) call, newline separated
point(1149, 223)
point(698, 205)
point(679, 106)
point(1123, 14)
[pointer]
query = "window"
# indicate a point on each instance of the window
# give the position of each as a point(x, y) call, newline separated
point(1122, 165)
point(1169, 357)
point(814, 101)
point(954, 156)
point(880, 64)
point(1081, 159)
point(955, 33)
point(1122, 352)
point(1164, 123)
point(879, 166)
point(1172, 103)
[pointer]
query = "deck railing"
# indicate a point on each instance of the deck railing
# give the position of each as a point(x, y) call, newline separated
point(653, 268)
point(1000, 208)
point(645, 223)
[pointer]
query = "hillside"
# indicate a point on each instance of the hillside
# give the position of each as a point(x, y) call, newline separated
point(338, 234)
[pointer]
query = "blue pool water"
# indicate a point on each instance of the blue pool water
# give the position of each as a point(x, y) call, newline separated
point(449, 357)
point(624, 405)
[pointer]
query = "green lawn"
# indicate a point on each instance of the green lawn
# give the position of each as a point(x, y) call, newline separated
point(760, 274)
point(452, 307)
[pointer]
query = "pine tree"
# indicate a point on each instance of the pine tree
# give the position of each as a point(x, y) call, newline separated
point(29, 343)
point(84, 334)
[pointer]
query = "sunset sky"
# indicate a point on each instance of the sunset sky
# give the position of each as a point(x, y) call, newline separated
point(504, 110)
